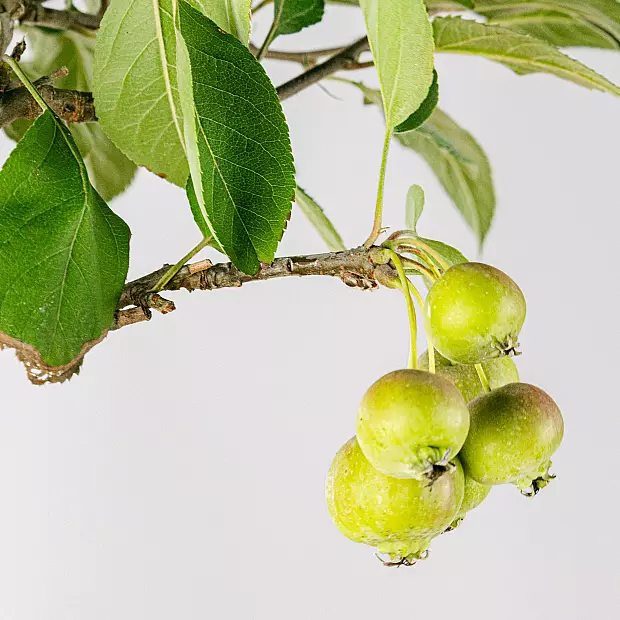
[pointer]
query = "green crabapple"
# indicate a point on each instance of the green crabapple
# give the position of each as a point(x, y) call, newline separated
point(473, 313)
point(397, 516)
point(410, 423)
point(514, 431)
point(499, 372)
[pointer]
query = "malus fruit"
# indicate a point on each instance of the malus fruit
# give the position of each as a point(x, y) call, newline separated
point(398, 516)
point(411, 423)
point(514, 431)
point(474, 313)
point(499, 372)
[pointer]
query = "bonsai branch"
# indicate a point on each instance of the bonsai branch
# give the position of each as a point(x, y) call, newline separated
point(361, 268)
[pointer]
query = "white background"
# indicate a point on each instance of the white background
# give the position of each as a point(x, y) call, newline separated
point(181, 474)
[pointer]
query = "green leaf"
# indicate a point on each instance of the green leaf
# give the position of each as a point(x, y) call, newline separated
point(421, 115)
point(135, 86)
point(238, 144)
point(64, 253)
point(457, 160)
point(291, 16)
point(460, 165)
point(415, 206)
point(322, 224)
point(233, 16)
point(136, 83)
point(401, 40)
point(109, 170)
point(521, 53)
point(565, 23)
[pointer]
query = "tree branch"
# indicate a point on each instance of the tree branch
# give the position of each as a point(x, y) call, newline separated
point(347, 59)
point(72, 106)
point(361, 268)
point(32, 13)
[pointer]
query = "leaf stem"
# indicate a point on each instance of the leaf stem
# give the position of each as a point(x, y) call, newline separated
point(26, 81)
point(431, 356)
point(483, 377)
point(270, 35)
point(416, 243)
point(376, 228)
point(405, 287)
point(431, 349)
point(176, 267)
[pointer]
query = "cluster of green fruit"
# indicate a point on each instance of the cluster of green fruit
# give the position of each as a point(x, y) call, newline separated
point(423, 457)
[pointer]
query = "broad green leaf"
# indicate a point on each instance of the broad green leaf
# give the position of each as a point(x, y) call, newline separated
point(457, 160)
point(136, 83)
point(414, 207)
point(290, 16)
point(564, 23)
point(401, 41)
point(460, 165)
point(64, 253)
point(322, 224)
point(521, 53)
point(109, 170)
point(421, 115)
point(238, 142)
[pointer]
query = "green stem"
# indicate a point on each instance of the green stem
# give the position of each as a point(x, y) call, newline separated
point(413, 327)
point(431, 350)
point(483, 377)
point(270, 35)
point(416, 243)
point(431, 355)
point(376, 229)
point(26, 82)
point(176, 268)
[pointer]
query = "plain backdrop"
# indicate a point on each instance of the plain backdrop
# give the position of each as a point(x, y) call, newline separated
point(181, 475)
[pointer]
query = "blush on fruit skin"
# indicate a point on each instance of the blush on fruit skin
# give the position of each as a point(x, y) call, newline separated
point(513, 433)
point(398, 516)
point(474, 313)
point(411, 423)
point(499, 372)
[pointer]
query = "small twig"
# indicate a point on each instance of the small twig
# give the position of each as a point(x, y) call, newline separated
point(359, 268)
point(304, 58)
point(348, 58)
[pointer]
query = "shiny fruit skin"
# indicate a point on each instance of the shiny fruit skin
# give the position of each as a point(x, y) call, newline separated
point(499, 372)
point(514, 431)
point(410, 423)
point(474, 313)
point(398, 516)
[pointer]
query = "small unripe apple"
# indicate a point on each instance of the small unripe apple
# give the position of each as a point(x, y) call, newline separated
point(514, 431)
point(474, 313)
point(499, 372)
point(397, 516)
point(410, 423)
